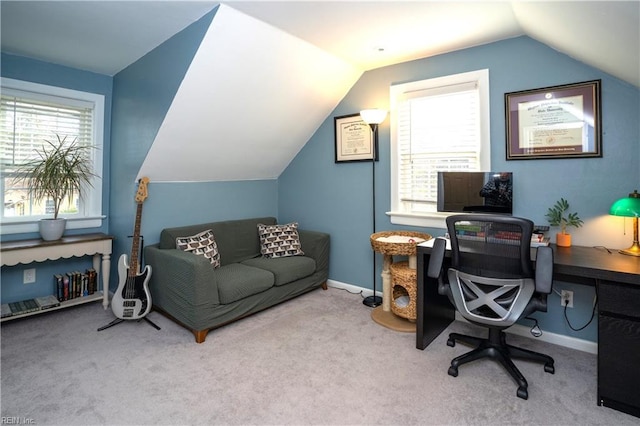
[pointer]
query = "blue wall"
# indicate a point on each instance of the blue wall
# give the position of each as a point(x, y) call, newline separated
point(142, 95)
point(336, 198)
point(26, 69)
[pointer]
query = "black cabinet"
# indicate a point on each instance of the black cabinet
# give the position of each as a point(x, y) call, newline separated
point(619, 346)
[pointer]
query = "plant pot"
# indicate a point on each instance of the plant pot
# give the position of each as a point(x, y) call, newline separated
point(563, 240)
point(52, 229)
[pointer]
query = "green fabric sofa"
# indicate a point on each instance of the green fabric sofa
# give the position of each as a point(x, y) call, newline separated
point(189, 290)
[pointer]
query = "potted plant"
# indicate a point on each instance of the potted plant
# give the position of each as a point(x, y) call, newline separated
point(57, 171)
point(558, 216)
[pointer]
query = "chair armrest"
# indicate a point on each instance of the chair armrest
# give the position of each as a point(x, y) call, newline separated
point(316, 245)
point(181, 277)
point(436, 261)
point(544, 269)
point(436, 258)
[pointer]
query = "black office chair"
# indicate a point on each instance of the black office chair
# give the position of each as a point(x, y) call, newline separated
point(491, 283)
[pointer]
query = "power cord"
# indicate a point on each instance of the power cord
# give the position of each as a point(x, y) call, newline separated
point(602, 248)
point(593, 314)
point(350, 292)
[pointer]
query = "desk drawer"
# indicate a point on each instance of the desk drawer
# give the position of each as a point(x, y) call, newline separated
point(618, 355)
point(620, 299)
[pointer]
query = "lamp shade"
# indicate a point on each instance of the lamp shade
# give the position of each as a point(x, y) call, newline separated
point(373, 116)
point(628, 206)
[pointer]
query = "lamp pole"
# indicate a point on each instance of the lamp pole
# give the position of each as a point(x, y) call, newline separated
point(373, 117)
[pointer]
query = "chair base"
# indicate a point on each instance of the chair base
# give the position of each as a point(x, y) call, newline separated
point(496, 347)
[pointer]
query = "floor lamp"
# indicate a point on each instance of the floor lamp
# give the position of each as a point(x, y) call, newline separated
point(373, 117)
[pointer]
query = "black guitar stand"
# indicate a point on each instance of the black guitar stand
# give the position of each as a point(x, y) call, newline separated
point(119, 320)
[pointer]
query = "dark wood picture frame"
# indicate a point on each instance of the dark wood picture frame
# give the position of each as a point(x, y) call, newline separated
point(554, 122)
point(354, 140)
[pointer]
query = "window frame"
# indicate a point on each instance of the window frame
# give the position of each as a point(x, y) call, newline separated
point(435, 219)
point(90, 216)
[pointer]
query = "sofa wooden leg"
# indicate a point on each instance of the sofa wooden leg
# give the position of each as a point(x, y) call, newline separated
point(201, 335)
point(324, 285)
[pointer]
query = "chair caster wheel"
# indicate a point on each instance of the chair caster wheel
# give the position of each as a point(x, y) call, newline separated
point(549, 368)
point(523, 393)
point(453, 371)
point(451, 343)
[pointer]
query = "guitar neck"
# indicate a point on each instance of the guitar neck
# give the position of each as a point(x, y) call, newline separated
point(135, 246)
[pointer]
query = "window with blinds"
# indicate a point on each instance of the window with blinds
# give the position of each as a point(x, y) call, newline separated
point(437, 125)
point(30, 115)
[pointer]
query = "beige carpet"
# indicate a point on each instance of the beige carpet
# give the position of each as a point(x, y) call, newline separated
point(319, 359)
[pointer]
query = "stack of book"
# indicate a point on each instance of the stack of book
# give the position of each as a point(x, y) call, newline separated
point(29, 305)
point(67, 286)
point(75, 284)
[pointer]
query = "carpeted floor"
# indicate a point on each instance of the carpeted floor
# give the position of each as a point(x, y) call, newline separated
point(318, 359)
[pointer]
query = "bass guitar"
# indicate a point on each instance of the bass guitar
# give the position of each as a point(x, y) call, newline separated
point(132, 299)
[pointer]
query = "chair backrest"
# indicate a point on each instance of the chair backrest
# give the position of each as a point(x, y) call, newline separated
point(491, 275)
point(494, 246)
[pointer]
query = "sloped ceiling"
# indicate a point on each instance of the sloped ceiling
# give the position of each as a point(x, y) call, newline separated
point(99, 36)
point(603, 34)
point(249, 103)
point(252, 126)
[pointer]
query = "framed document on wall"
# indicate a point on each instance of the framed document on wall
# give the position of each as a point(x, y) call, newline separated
point(554, 122)
point(354, 140)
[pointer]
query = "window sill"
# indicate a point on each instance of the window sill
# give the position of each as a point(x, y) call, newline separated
point(27, 226)
point(425, 220)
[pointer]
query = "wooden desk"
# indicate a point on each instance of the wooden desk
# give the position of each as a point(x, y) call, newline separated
point(617, 281)
point(37, 250)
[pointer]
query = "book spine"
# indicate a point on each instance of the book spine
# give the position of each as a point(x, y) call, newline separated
point(65, 288)
point(78, 281)
point(85, 285)
point(72, 285)
point(57, 278)
point(92, 284)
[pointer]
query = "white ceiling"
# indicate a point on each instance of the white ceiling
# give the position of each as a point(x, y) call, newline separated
point(106, 36)
point(344, 37)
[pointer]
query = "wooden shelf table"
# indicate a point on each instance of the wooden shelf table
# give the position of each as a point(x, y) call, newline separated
point(97, 245)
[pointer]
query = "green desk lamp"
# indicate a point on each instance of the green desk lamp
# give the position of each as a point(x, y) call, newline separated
point(629, 207)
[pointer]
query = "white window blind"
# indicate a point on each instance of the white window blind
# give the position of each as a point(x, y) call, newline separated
point(30, 115)
point(25, 124)
point(437, 125)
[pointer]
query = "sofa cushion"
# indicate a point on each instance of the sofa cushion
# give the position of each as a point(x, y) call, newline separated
point(285, 269)
point(237, 281)
point(202, 244)
point(279, 240)
point(237, 240)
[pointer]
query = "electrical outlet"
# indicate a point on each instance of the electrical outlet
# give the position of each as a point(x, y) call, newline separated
point(29, 276)
point(566, 297)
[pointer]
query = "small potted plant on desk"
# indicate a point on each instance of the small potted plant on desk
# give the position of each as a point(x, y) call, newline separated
point(557, 216)
point(58, 171)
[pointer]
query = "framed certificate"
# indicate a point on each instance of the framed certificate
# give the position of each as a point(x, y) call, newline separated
point(554, 122)
point(354, 140)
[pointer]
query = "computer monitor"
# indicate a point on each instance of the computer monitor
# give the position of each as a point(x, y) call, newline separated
point(475, 192)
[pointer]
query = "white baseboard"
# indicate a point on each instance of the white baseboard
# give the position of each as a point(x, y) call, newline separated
point(517, 329)
point(557, 339)
point(352, 288)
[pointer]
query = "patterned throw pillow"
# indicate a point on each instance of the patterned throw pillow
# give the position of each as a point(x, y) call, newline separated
point(279, 240)
point(202, 244)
